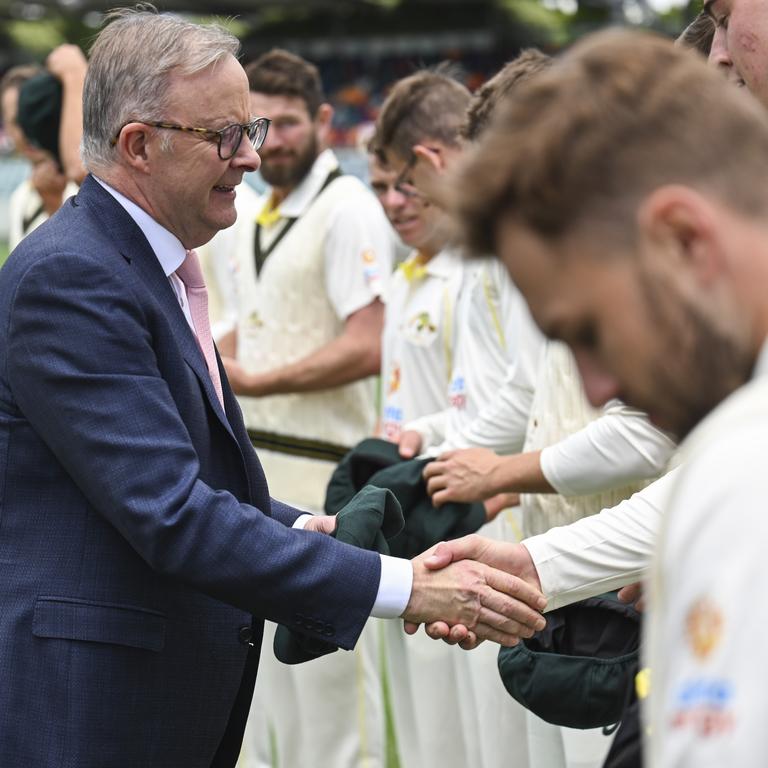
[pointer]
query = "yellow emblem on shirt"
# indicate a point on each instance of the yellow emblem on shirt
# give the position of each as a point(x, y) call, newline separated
point(704, 626)
point(394, 379)
point(423, 322)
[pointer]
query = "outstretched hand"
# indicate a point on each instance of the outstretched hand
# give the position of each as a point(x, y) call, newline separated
point(514, 559)
point(450, 589)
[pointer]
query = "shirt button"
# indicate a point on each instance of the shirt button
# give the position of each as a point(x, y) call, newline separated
point(245, 635)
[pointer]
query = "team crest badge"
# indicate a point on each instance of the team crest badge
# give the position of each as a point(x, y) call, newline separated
point(704, 627)
point(394, 379)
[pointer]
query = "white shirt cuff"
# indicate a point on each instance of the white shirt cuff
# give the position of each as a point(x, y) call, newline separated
point(394, 588)
point(301, 521)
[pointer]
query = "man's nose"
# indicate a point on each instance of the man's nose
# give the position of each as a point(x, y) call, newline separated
point(393, 199)
point(246, 156)
point(719, 55)
point(600, 386)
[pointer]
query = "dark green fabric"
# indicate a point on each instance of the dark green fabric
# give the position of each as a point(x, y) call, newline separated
point(377, 462)
point(578, 671)
point(39, 112)
point(367, 521)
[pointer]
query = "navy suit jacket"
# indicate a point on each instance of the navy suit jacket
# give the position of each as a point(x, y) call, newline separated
point(137, 535)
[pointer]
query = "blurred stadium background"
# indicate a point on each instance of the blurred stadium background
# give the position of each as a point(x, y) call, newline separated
point(360, 46)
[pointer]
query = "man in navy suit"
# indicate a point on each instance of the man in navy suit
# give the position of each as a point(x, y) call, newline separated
point(139, 547)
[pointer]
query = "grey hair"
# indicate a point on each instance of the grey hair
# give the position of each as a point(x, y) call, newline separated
point(130, 66)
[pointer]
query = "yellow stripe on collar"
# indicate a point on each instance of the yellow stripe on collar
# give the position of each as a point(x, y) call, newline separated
point(414, 269)
point(270, 214)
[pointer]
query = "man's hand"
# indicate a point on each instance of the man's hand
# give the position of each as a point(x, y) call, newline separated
point(633, 593)
point(493, 604)
point(512, 558)
point(497, 503)
point(242, 382)
point(67, 61)
point(461, 476)
point(321, 524)
point(409, 444)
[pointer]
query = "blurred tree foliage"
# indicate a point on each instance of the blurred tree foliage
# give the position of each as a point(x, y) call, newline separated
point(263, 23)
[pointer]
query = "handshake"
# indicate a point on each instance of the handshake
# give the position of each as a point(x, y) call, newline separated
point(474, 589)
point(470, 589)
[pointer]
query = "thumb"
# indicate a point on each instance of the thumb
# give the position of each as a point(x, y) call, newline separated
point(467, 548)
point(409, 445)
point(440, 557)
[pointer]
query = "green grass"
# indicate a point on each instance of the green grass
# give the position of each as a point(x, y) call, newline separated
point(3, 252)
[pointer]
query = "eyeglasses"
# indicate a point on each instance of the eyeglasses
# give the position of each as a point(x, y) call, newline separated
point(227, 139)
point(401, 183)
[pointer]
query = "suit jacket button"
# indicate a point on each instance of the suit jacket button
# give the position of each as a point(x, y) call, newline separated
point(245, 635)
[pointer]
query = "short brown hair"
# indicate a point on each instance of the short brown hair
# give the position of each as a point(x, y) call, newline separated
point(698, 35)
point(583, 143)
point(281, 73)
point(429, 104)
point(487, 97)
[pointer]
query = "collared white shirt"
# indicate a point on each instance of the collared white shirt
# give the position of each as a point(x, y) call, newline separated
point(354, 276)
point(705, 643)
point(165, 245)
point(419, 339)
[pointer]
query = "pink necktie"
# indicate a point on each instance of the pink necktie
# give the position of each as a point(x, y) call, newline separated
point(191, 275)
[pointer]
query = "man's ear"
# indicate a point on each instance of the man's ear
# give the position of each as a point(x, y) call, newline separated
point(132, 145)
point(680, 225)
point(433, 154)
point(323, 120)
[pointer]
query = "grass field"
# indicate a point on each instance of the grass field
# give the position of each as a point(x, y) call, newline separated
point(3, 252)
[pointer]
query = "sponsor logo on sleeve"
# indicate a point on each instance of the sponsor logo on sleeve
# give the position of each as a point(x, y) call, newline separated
point(704, 704)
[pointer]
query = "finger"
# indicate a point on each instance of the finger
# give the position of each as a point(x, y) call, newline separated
point(437, 630)
point(502, 623)
point(447, 455)
point(459, 633)
point(410, 628)
point(441, 497)
point(433, 468)
point(509, 614)
point(440, 557)
point(436, 483)
point(466, 548)
point(470, 643)
point(640, 604)
point(630, 593)
point(485, 632)
point(515, 587)
point(409, 445)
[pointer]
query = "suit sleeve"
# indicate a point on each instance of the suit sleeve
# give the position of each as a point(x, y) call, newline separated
point(83, 370)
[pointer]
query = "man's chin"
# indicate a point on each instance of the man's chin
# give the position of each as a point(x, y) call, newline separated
point(280, 175)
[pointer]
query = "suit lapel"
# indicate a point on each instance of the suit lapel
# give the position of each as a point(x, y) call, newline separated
point(134, 248)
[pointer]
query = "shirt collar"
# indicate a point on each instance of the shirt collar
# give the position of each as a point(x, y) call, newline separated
point(166, 246)
point(299, 199)
point(443, 263)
